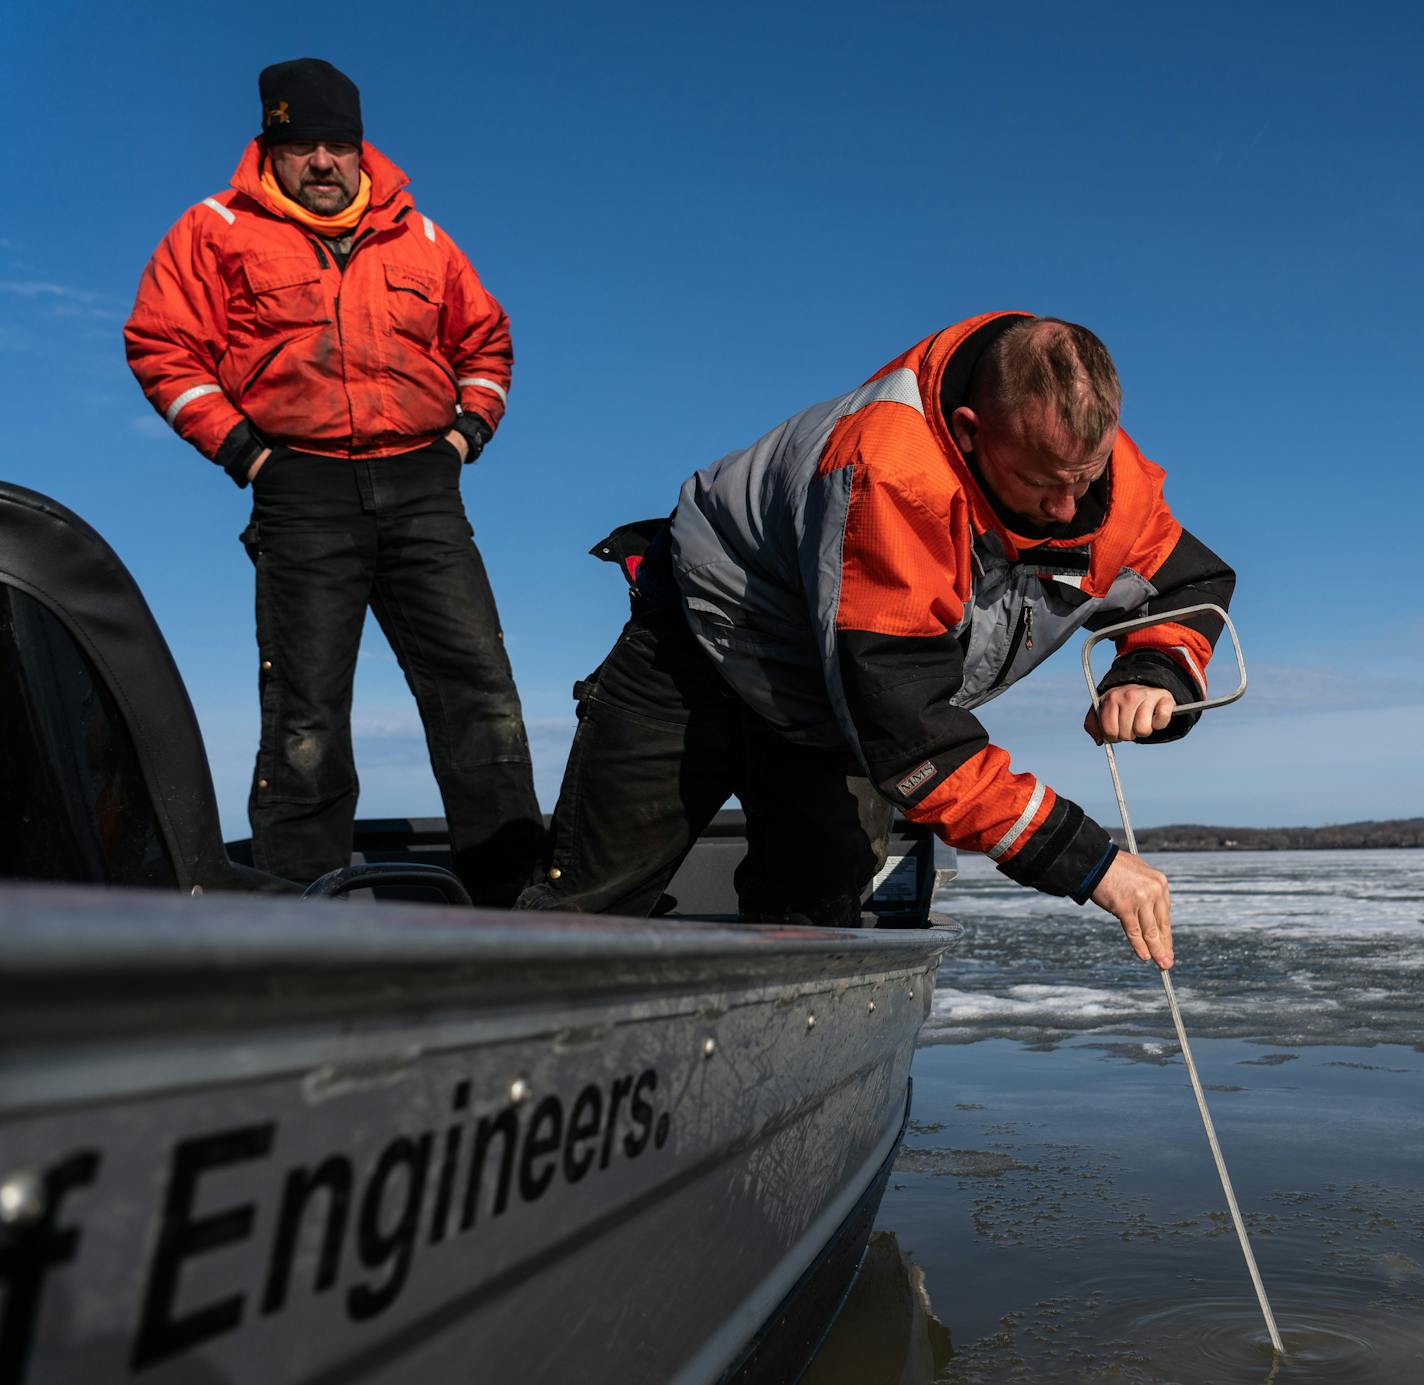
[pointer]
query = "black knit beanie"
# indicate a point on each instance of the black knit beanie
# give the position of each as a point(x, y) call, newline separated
point(308, 99)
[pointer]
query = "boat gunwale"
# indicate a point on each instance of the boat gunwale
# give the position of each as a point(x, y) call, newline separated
point(75, 930)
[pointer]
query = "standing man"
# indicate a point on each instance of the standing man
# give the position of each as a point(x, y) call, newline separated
point(825, 607)
point(321, 340)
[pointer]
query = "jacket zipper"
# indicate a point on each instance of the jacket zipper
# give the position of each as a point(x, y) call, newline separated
point(341, 341)
point(340, 335)
point(1023, 635)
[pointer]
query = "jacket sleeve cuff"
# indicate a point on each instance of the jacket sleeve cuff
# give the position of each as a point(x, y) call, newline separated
point(1089, 882)
point(1153, 669)
point(475, 430)
point(239, 450)
point(1067, 855)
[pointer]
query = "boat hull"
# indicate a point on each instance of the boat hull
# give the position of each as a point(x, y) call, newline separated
point(287, 1141)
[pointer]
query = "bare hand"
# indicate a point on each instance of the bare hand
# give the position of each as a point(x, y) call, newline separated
point(257, 463)
point(1138, 896)
point(460, 443)
point(1131, 712)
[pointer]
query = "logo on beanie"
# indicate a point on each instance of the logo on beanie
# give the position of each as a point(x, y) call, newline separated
point(278, 114)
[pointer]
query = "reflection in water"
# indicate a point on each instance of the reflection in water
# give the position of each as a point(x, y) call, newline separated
point(1209, 1341)
point(887, 1333)
point(1055, 1198)
point(1070, 1232)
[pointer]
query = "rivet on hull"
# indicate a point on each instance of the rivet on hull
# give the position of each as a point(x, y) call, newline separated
point(22, 1198)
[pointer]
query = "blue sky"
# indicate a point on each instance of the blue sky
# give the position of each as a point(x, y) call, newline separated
point(703, 218)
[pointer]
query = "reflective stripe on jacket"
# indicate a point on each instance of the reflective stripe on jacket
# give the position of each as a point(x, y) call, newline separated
point(244, 315)
point(854, 583)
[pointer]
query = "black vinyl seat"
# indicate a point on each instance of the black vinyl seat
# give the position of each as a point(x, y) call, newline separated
point(103, 775)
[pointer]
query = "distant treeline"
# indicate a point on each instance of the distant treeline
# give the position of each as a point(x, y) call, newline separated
point(1352, 835)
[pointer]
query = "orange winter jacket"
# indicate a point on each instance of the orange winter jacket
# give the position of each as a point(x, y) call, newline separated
point(246, 330)
point(855, 583)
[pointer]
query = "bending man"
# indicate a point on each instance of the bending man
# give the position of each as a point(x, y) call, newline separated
point(814, 626)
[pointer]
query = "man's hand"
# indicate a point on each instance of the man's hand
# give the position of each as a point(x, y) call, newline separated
point(1129, 713)
point(1138, 896)
point(257, 463)
point(460, 443)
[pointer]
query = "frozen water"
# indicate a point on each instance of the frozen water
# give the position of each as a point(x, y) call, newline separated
point(1306, 947)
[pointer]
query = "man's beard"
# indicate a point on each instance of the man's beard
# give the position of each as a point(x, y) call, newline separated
point(320, 200)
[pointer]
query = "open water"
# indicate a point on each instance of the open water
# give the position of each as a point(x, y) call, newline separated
point(1055, 1215)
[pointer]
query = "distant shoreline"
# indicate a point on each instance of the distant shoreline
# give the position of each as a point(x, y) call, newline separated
point(1394, 833)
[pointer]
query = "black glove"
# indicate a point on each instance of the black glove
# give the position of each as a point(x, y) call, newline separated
point(475, 431)
point(239, 450)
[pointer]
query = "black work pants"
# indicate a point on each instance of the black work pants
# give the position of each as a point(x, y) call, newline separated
point(662, 743)
point(330, 537)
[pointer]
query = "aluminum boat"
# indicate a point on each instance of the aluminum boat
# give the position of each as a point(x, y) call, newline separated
point(247, 1136)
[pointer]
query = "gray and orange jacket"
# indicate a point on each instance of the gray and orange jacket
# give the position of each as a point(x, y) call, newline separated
point(244, 321)
point(855, 583)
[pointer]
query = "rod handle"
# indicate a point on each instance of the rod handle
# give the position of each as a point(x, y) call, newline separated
point(1138, 622)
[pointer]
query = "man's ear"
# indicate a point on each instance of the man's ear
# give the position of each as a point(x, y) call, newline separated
point(964, 428)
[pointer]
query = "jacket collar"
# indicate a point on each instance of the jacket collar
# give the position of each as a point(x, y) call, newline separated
point(388, 184)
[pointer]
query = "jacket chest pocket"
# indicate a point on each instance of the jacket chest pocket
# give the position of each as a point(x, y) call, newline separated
point(286, 293)
point(413, 301)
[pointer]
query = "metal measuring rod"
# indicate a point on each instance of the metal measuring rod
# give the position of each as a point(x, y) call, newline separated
point(1205, 704)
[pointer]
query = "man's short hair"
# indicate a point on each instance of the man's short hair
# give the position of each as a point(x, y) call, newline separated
point(1056, 362)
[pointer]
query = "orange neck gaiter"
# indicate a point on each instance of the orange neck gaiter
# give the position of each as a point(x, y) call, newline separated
point(336, 225)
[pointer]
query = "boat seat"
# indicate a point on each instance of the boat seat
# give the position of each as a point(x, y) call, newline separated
point(106, 779)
